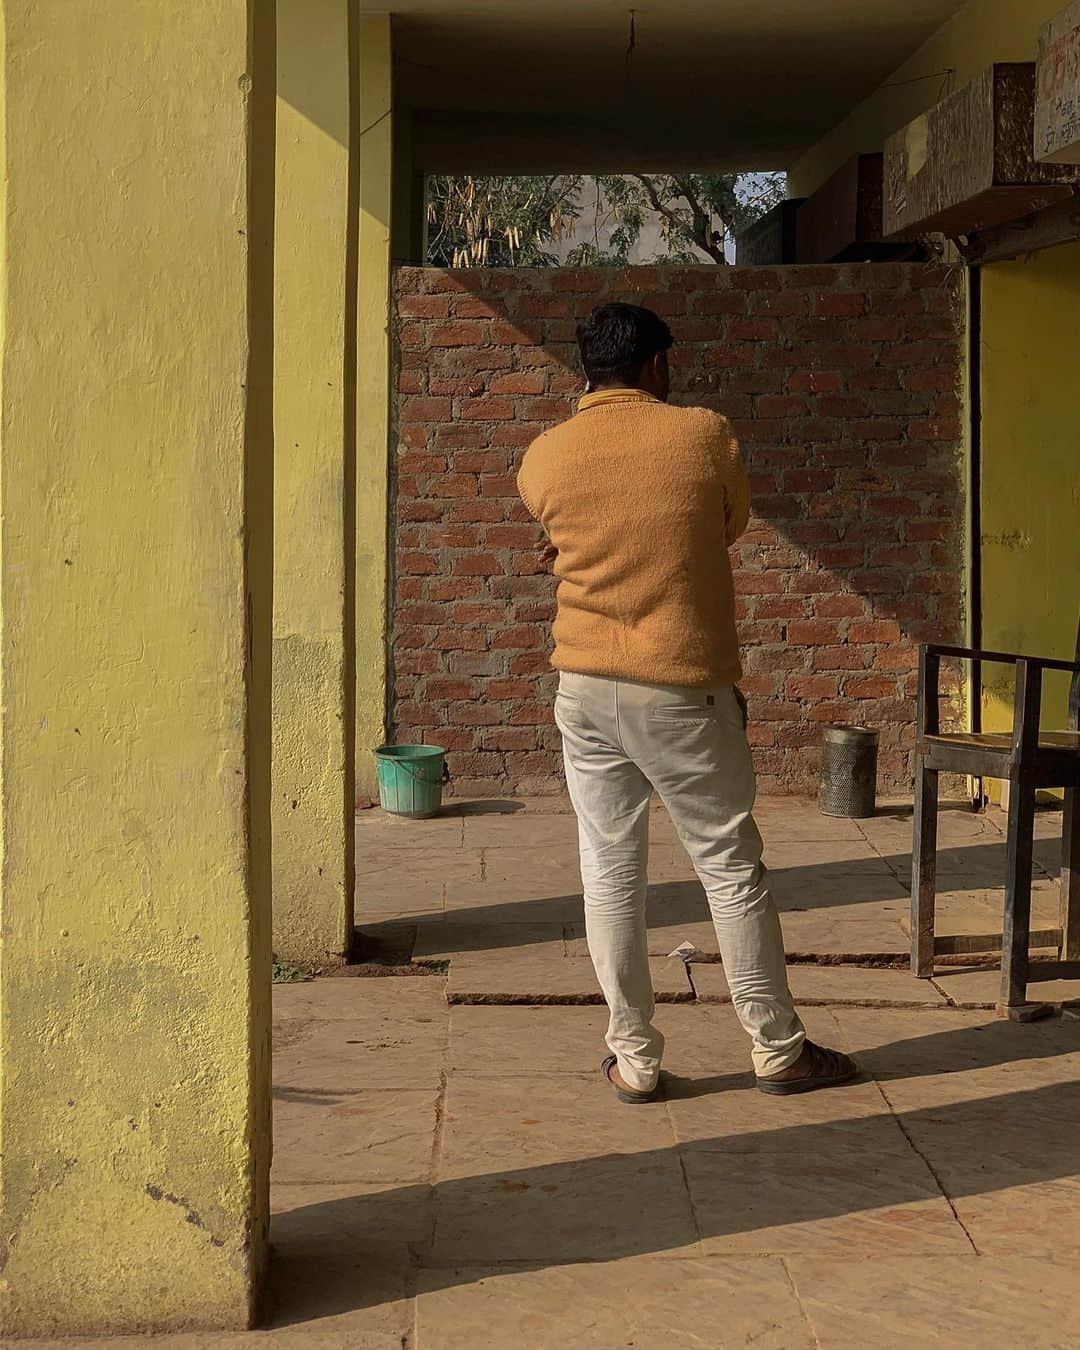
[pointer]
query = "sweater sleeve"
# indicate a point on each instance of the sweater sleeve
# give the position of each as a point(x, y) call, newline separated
point(736, 493)
point(733, 479)
point(528, 484)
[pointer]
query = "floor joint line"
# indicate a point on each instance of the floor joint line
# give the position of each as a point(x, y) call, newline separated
point(928, 1165)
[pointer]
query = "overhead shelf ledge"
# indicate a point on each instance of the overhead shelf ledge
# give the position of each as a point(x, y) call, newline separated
point(969, 162)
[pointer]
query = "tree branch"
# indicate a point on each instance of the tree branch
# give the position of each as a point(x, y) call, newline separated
point(702, 222)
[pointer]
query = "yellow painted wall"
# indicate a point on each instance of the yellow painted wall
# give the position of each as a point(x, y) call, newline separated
point(134, 976)
point(983, 32)
point(1030, 470)
point(375, 141)
point(314, 432)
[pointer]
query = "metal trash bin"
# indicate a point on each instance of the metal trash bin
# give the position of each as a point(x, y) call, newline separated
point(848, 772)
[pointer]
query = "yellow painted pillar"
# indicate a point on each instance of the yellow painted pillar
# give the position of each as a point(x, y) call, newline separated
point(314, 424)
point(134, 580)
point(375, 141)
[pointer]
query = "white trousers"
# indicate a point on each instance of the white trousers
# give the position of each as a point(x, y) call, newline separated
point(621, 741)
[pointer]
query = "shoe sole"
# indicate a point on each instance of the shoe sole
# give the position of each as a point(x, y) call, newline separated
point(797, 1085)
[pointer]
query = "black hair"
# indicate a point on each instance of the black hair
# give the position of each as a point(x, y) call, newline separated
point(617, 340)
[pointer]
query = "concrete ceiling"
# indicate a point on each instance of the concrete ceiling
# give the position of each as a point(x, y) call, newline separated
point(503, 85)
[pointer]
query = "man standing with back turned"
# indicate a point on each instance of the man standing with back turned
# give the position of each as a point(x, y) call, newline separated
point(640, 501)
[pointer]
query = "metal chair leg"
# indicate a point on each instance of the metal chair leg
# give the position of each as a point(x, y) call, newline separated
point(924, 872)
point(1070, 877)
point(1016, 935)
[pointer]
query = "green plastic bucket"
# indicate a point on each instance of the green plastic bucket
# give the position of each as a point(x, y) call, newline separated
point(411, 779)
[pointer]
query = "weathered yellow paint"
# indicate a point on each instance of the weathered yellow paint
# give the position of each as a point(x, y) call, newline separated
point(314, 429)
point(982, 32)
point(134, 978)
point(375, 140)
point(1030, 470)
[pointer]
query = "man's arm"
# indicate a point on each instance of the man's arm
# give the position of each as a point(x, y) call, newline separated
point(546, 551)
point(738, 498)
point(736, 485)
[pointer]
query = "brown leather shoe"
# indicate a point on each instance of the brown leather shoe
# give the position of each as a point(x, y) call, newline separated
point(815, 1068)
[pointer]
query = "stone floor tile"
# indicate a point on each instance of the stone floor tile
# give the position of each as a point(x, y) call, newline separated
point(736, 1118)
point(532, 893)
point(518, 1042)
point(831, 985)
point(379, 828)
point(937, 1303)
point(1032, 1219)
point(376, 1050)
point(1024, 1121)
point(670, 863)
point(555, 1169)
point(523, 830)
point(415, 863)
point(672, 902)
point(825, 858)
point(341, 1256)
point(351, 998)
point(854, 984)
point(981, 863)
point(664, 936)
point(677, 1303)
point(353, 1134)
point(537, 976)
point(818, 1200)
point(899, 1045)
point(400, 901)
point(1047, 821)
point(596, 1209)
point(1047, 855)
point(979, 910)
point(820, 932)
point(792, 819)
point(442, 941)
point(846, 896)
point(388, 1218)
point(980, 987)
point(892, 831)
point(496, 1123)
point(553, 804)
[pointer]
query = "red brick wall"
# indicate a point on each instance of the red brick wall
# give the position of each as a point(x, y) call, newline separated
point(842, 384)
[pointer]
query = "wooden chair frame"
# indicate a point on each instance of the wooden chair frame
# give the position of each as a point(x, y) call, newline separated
point(1028, 762)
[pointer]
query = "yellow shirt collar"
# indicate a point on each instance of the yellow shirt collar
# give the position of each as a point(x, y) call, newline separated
point(602, 396)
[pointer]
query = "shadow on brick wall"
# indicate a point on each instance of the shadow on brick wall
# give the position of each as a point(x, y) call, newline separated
point(843, 386)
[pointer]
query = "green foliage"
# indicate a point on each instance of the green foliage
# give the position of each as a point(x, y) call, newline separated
point(284, 972)
point(520, 221)
point(498, 221)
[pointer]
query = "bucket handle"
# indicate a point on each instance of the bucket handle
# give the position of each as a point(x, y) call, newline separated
point(419, 777)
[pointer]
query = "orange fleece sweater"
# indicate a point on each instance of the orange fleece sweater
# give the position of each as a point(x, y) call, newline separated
point(642, 500)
